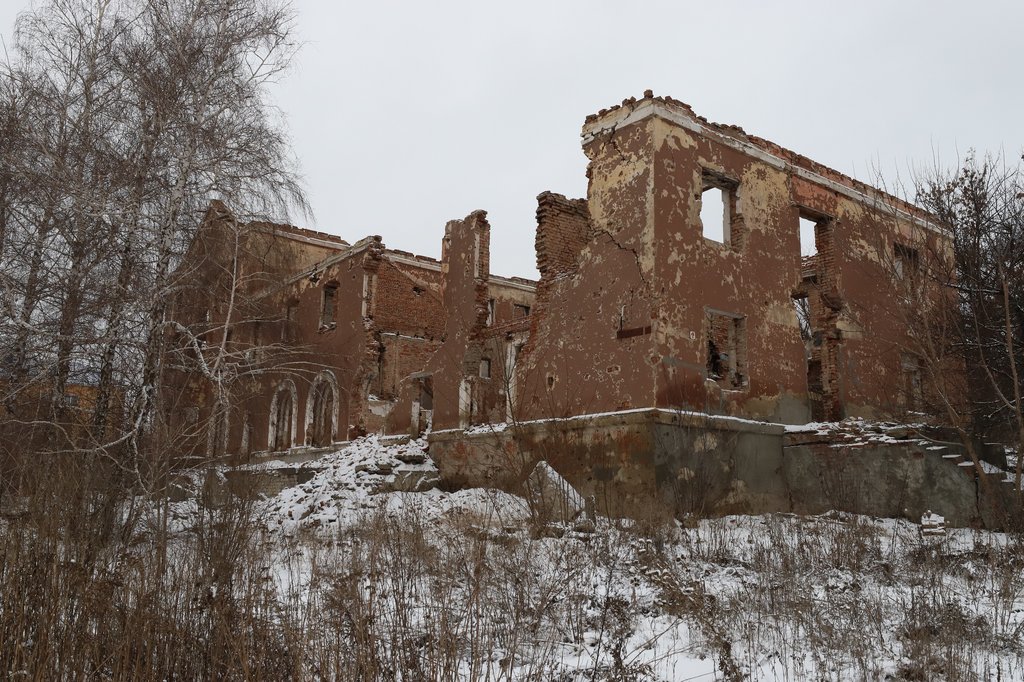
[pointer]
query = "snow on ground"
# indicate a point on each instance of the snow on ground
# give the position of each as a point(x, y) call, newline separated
point(363, 477)
point(771, 597)
point(1011, 468)
point(853, 431)
point(985, 467)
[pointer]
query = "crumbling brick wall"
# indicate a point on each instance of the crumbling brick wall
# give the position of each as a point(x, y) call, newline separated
point(408, 303)
point(563, 230)
point(399, 357)
point(592, 337)
point(629, 323)
point(386, 320)
point(465, 270)
point(636, 298)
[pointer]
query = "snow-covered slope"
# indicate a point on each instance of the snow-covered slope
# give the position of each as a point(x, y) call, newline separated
point(484, 591)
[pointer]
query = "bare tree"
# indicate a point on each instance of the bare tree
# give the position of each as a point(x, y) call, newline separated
point(982, 202)
point(962, 301)
point(122, 120)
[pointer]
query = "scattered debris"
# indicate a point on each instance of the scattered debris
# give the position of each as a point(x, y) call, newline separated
point(933, 525)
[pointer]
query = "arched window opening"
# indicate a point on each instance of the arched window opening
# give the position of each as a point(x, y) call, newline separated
point(282, 417)
point(322, 410)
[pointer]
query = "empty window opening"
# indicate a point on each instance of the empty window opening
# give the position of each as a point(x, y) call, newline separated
point(811, 340)
point(815, 232)
point(218, 438)
point(282, 415)
point(287, 325)
point(246, 446)
point(726, 350)
point(907, 261)
point(802, 305)
point(913, 392)
point(712, 215)
point(521, 310)
point(426, 393)
point(815, 390)
point(322, 410)
point(423, 403)
point(465, 403)
point(719, 209)
point(485, 368)
point(476, 255)
point(327, 310)
point(808, 238)
point(490, 312)
point(369, 285)
point(512, 353)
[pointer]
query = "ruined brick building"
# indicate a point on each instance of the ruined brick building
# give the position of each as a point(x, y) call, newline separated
point(331, 329)
point(646, 298)
point(681, 312)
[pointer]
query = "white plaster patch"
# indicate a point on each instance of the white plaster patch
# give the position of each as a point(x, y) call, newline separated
point(707, 442)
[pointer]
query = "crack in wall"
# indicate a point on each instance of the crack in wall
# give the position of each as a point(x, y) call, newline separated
point(636, 256)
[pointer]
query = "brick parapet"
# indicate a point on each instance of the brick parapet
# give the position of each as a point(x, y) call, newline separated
point(673, 107)
point(563, 227)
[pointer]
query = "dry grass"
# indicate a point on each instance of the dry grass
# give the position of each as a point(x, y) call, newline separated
point(95, 583)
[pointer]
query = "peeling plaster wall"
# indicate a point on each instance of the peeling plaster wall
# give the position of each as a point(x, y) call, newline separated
point(752, 278)
point(591, 345)
point(624, 317)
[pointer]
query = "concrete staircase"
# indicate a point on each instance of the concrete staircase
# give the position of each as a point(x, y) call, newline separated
point(996, 474)
point(994, 468)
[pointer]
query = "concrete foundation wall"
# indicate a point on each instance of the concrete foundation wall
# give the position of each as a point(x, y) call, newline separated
point(627, 461)
point(647, 462)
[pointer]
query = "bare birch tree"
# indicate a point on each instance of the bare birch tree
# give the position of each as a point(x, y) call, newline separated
point(123, 120)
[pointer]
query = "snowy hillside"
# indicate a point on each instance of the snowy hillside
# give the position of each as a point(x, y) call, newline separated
point(469, 585)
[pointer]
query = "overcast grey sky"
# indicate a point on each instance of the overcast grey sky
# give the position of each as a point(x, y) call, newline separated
point(405, 115)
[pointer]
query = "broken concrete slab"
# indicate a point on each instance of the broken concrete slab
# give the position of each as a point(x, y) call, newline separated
point(552, 498)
